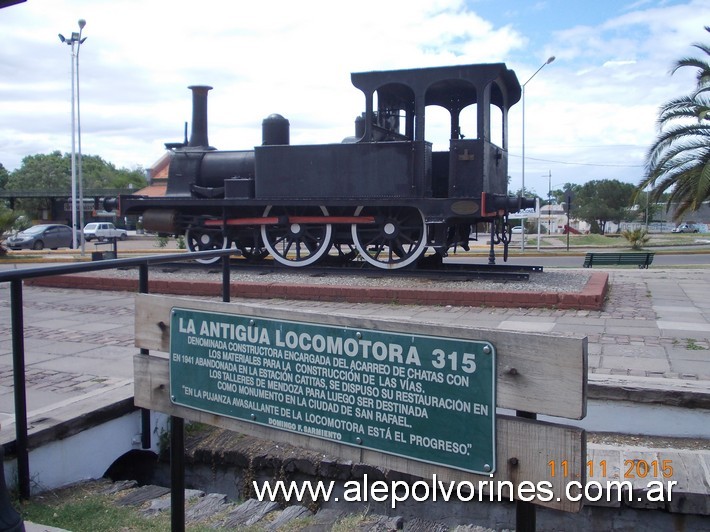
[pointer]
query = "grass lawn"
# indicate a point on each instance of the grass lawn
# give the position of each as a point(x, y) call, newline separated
point(618, 241)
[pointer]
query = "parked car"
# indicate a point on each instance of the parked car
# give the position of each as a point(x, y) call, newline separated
point(103, 231)
point(685, 228)
point(51, 236)
point(518, 230)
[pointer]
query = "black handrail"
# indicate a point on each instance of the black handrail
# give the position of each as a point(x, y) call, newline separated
point(15, 278)
point(81, 267)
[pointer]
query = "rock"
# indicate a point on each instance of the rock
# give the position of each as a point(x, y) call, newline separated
point(142, 495)
point(289, 514)
point(324, 520)
point(206, 507)
point(249, 513)
point(163, 503)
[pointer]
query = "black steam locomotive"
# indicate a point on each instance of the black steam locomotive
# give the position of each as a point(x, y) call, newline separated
point(383, 195)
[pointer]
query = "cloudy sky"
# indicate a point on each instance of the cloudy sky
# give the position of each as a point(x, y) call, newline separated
point(589, 115)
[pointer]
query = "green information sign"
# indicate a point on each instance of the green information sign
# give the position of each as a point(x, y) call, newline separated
point(423, 397)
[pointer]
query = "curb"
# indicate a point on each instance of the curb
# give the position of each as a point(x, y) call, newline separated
point(591, 297)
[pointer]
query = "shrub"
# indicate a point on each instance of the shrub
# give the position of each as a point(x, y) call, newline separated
point(636, 237)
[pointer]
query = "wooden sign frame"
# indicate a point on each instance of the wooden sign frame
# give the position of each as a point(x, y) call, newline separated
point(543, 374)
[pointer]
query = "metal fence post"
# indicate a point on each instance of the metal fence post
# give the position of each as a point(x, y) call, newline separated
point(18, 371)
point(145, 413)
point(16, 278)
point(225, 278)
point(525, 512)
point(177, 474)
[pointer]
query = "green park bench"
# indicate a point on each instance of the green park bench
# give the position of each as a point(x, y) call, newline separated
point(642, 260)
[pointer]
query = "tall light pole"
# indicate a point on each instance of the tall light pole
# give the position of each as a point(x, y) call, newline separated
point(80, 176)
point(75, 41)
point(522, 192)
point(549, 202)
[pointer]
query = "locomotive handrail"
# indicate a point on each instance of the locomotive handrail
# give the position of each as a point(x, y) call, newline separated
point(15, 279)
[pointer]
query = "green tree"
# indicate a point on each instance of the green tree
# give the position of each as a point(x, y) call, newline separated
point(43, 172)
point(679, 160)
point(4, 176)
point(600, 201)
point(51, 173)
point(560, 194)
point(98, 173)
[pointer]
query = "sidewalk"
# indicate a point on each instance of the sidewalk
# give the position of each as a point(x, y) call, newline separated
point(655, 324)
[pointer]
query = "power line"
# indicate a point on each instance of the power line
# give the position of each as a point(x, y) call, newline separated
point(582, 164)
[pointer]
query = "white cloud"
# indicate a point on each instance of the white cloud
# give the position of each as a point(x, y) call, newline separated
point(294, 58)
point(598, 102)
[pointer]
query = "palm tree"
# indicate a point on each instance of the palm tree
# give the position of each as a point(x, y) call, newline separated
point(679, 160)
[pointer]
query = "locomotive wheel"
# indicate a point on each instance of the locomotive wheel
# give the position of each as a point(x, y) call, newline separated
point(296, 244)
point(201, 239)
point(255, 253)
point(252, 247)
point(396, 239)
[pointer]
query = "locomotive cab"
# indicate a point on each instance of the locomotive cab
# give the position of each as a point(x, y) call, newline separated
point(470, 166)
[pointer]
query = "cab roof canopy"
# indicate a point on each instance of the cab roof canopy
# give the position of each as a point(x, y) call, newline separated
point(448, 86)
point(451, 87)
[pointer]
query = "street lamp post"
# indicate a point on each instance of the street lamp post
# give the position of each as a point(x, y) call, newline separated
point(522, 192)
point(549, 202)
point(75, 41)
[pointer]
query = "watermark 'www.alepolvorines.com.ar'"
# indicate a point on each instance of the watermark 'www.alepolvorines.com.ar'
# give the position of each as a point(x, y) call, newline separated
point(482, 491)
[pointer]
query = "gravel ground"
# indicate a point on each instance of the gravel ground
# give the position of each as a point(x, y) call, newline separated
point(547, 281)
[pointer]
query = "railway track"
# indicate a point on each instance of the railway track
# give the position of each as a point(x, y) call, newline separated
point(442, 272)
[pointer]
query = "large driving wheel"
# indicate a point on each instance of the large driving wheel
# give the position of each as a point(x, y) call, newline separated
point(297, 243)
point(202, 239)
point(396, 239)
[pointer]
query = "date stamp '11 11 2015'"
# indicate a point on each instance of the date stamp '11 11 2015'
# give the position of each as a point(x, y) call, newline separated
point(629, 470)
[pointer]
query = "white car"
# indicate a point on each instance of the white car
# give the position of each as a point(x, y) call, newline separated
point(518, 230)
point(103, 231)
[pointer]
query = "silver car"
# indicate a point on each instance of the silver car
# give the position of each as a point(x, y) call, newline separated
point(685, 228)
point(38, 237)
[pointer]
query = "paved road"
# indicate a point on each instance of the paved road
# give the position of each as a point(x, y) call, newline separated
point(574, 259)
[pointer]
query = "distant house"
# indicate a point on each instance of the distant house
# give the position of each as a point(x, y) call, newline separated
point(553, 218)
point(157, 177)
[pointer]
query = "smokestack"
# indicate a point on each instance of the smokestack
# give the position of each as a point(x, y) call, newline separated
point(199, 116)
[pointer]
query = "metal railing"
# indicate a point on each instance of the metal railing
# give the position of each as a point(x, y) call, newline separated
point(16, 277)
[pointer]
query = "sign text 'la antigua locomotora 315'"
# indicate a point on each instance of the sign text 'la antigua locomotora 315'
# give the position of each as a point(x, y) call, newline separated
point(427, 398)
